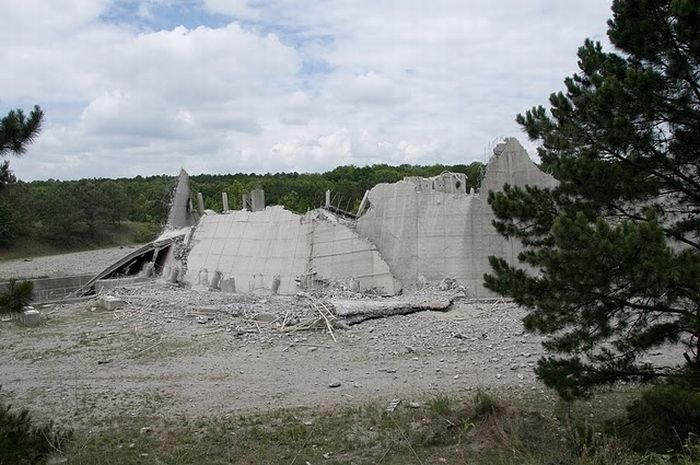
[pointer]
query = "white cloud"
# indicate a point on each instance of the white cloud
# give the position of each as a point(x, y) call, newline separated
point(297, 152)
point(301, 85)
point(238, 9)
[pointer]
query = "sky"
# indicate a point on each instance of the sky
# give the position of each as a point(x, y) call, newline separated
point(144, 87)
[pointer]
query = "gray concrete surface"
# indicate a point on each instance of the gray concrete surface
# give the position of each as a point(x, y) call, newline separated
point(181, 214)
point(429, 230)
point(277, 249)
point(52, 289)
point(415, 230)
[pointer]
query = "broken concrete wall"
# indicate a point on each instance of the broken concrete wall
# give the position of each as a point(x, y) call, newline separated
point(253, 248)
point(433, 234)
point(421, 233)
point(415, 230)
point(51, 289)
point(340, 254)
point(277, 251)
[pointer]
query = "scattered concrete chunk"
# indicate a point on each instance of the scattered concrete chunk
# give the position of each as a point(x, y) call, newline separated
point(30, 317)
point(266, 317)
point(228, 284)
point(205, 310)
point(393, 404)
point(110, 302)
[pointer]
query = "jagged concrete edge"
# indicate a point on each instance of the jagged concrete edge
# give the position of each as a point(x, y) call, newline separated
point(155, 245)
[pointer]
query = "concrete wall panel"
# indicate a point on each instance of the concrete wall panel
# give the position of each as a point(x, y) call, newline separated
point(435, 234)
point(256, 247)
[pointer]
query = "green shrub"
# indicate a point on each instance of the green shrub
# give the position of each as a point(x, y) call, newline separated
point(485, 403)
point(440, 405)
point(22, 442)
point(146, 232)
point(17, 295)
point(664, 419)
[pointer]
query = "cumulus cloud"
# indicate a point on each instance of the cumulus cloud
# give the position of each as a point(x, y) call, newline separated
point(278, 85)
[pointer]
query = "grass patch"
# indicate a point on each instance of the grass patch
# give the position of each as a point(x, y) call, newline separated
point(485, 430)
point(440, 405)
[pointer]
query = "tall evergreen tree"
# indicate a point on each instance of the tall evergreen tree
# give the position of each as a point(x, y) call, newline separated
point(612, 254)
point(17, 131)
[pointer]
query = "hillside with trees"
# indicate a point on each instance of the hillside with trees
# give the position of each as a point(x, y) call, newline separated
point(101, 212)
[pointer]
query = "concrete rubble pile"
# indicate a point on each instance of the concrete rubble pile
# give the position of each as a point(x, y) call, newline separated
point(488, 336)
point(417, 244)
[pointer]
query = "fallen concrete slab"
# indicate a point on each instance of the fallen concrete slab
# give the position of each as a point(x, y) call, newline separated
point(351, 312)
point(132, 263)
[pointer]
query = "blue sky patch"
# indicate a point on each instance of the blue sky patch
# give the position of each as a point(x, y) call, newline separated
point(163, 16)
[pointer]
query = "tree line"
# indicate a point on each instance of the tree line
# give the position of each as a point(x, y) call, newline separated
point(83, 211)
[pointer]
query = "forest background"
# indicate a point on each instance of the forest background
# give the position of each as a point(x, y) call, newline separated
point(50, 216)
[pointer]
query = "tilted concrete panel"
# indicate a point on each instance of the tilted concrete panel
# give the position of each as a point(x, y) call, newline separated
point(254, 248)
point(277, 251)
point(340, 254)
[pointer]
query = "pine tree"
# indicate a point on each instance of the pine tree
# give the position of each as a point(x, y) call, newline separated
point(611, 263)
point(16, 132)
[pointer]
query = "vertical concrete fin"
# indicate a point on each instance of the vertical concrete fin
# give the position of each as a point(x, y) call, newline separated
point(257, 200)
point(200, 203)
point(181, 214)
point(224, 202)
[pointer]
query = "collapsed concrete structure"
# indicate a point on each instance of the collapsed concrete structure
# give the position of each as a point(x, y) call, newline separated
point(408, 233)
point(433, 230)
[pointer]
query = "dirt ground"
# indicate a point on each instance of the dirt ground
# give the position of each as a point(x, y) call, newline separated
point(54, 266)
point(174, 352)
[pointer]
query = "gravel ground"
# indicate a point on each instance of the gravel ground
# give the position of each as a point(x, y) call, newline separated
point(173, 351)
point(176, 352)
point(54, 266)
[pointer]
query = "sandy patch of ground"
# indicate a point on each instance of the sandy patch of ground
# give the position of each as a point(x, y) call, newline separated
point(54, 266)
